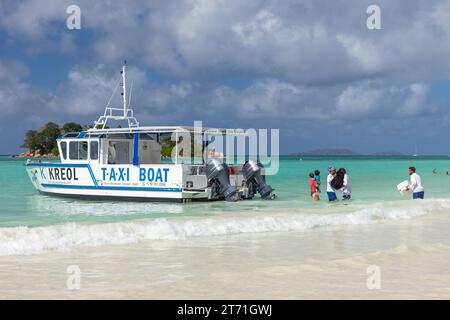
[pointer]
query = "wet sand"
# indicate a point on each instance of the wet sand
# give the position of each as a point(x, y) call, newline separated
point(331, 262)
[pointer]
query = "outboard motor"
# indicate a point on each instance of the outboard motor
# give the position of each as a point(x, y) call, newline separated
point(218, 177)
point(256, 181)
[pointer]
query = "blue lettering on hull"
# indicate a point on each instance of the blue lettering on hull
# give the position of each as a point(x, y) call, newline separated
point(123, 174)
point(152, 175)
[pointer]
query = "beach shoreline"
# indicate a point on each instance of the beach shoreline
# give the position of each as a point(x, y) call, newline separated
point(325, 263)
point(290, 248)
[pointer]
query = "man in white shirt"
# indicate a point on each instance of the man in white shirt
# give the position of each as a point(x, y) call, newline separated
point(330, 191)
point(415, 184)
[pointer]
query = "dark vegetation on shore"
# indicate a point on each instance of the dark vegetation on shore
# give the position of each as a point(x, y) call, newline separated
point(42, 143)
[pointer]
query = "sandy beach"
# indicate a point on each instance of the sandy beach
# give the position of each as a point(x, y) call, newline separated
point(379, 245)
point(332, 262)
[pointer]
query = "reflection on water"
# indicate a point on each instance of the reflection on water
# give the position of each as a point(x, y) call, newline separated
point(64, 209)
point(47, 205)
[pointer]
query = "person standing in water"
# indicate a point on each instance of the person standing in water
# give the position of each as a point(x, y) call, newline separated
point(330, 191)
point(317, 178)
point(314, 187)
point(415, 184)
point(346, 190)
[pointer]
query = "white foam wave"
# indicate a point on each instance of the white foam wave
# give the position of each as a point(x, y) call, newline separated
point(24, 240)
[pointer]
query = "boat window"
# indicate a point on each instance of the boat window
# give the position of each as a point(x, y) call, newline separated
point(64, 149)
point(73, 150)
point(82, 150)
point(215, 145)
point(94, 150)
point(167, 147)
point(119, 152)
point(197, 149)
point(149, 149)
point(78, 150)
point(181, 147)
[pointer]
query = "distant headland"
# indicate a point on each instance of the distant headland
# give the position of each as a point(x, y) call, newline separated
point(344, 152)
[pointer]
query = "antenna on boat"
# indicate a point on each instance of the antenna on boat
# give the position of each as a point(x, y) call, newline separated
point(124, 113)
point(124, 87)
point(131, 91)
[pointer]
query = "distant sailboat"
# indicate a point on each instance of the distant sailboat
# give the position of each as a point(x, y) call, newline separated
point(415, 152)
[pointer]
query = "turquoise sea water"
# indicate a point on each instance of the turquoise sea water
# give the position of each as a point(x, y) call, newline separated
point(372, 180)
point(27, 217)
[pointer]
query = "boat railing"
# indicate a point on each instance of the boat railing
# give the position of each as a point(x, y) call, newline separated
point(110, 112)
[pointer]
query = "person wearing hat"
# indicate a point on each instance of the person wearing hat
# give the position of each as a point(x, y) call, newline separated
point(330, 191)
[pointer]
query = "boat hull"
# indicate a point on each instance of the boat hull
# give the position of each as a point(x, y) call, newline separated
point(116, 182)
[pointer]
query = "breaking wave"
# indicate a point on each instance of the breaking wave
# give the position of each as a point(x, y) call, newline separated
point(29, 240)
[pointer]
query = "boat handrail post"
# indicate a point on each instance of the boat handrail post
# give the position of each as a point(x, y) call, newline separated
point(176, 147)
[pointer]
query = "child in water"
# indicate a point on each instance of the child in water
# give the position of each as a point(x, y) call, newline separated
point(314, 187)
point(317, 179)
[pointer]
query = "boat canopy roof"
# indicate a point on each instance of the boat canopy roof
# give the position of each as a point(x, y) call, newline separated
point(101, 133)
point(169, 129)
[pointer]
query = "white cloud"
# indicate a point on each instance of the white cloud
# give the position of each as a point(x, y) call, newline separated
point(415, 101)
point(274, 100)
point(301, 62)
point(17, 97)
point(181, 90)
point(358, 100)
point(365, 52)
point(32, 18)
point(440, 16)
point(38, 23)
point(86, 92)
point(304, 42)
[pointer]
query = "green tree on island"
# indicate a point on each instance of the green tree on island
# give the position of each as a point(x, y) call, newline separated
point(71, 127)
point(47, 138)
point(30, 141)
point(44, 141)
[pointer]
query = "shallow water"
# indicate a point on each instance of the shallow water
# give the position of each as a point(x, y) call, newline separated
point(30, 222)
point(287, 248)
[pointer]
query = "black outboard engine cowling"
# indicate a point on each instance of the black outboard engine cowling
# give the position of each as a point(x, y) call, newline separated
point(256, 180)
point(218, 176)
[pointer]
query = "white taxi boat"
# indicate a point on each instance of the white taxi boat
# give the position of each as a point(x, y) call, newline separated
point(146, 163)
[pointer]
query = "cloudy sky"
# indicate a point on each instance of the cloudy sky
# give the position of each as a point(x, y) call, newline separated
point(311, 68)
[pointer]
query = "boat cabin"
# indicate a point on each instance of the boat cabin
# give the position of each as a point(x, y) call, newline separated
point(146, 145)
